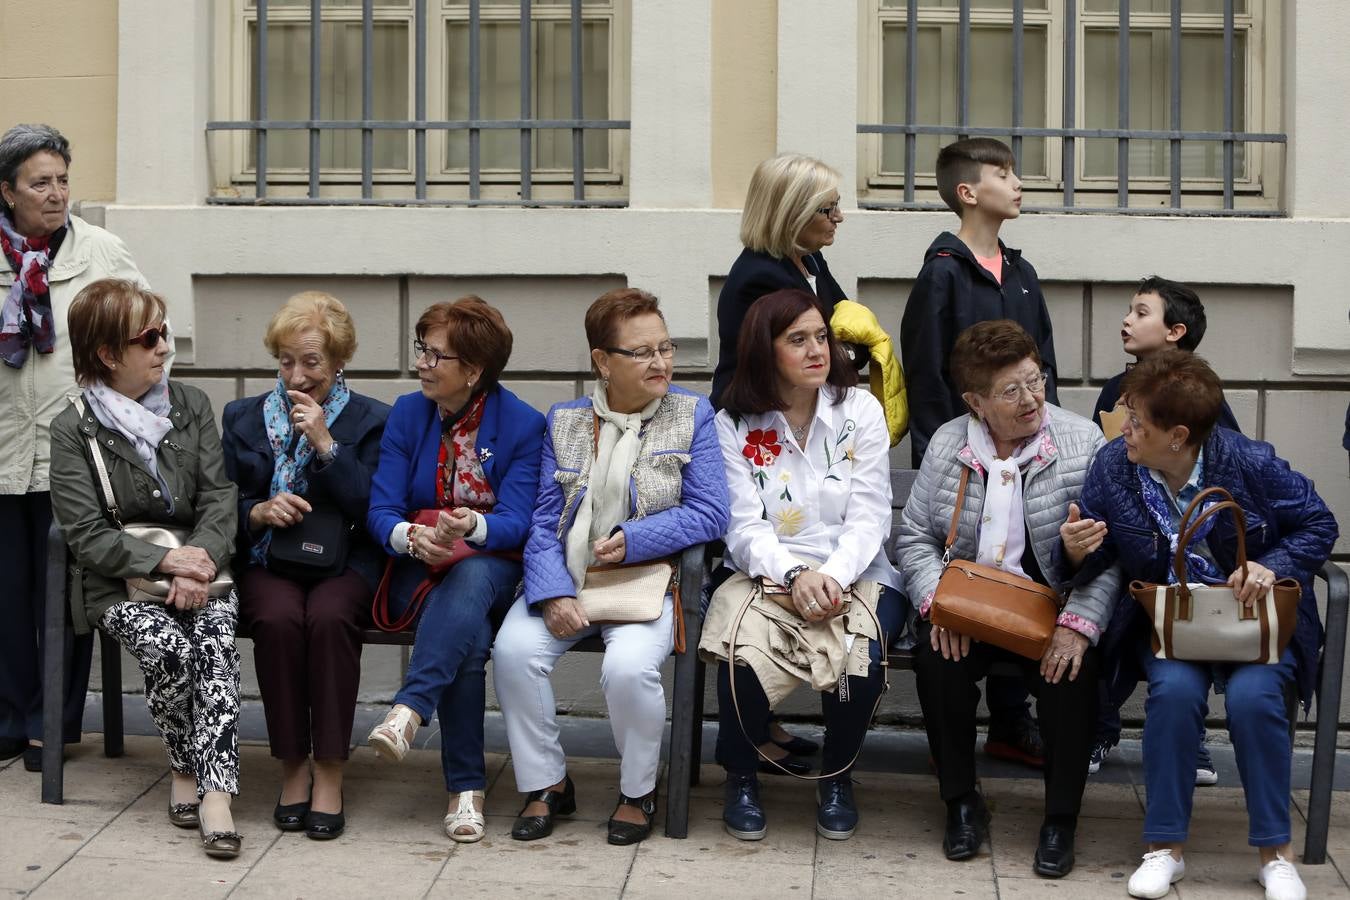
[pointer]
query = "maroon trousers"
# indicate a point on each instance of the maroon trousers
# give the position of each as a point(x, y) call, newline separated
point(307, 652)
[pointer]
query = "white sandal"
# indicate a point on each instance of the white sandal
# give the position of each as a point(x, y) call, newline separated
point(392, 738)
point(466, 815)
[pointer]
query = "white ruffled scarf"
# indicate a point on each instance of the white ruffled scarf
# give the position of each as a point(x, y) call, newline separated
point(604, 505)
point(1002, 522)
point(143, 422)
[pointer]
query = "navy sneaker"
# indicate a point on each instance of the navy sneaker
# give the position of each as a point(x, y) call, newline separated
point(741, 813)
point(837, 816)
point(1100, 751)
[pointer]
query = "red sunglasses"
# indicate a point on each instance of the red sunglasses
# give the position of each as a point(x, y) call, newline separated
point(150, 337)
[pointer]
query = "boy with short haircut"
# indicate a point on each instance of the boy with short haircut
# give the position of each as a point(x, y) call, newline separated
point(968, 277)
point(1164, 316)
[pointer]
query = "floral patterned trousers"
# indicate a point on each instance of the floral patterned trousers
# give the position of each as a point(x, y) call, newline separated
point(191, 669)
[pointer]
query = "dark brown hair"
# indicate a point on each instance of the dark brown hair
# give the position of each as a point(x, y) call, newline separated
point(1174, 389)
point(474, 331)
point(959, 163)
point(754, 385)
point(984, 348)
point(108, 313)
point(610, 310)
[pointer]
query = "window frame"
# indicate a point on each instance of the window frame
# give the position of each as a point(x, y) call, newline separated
point(1258, 189)
point(233, 174)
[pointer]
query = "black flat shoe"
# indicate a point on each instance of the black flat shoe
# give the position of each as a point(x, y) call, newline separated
point(624, 833)
point(967, 828)
point(793, 766)
point(324, 826)
point(32, 758)
point(798, 746)
point(559, 803)
point(1054, 852)
point(290, 816)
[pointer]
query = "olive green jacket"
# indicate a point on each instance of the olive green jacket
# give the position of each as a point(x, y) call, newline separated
point(192, 465)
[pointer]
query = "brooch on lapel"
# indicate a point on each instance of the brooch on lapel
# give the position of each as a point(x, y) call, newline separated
point(484, 454)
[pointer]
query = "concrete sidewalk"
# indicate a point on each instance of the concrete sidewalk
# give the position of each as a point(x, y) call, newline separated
point(111, 839)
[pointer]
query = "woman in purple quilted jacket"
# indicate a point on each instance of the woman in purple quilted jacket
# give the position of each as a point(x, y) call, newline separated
point(632, 473)
point(1138, 487)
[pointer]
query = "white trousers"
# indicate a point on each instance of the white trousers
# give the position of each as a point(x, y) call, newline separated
point(630, 675)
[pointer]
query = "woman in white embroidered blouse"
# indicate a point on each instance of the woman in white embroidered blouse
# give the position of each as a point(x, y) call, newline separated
point(809, 475)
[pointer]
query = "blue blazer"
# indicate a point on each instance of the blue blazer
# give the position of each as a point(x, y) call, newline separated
point(509, 442)
point(344, 485)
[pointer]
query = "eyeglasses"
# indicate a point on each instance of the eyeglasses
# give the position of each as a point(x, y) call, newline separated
point(150, 337)
point(1013, 392)
point(430, 355)
point(644, 354)
point(829, 211)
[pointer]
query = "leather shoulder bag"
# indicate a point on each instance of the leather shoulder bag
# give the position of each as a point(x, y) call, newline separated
point(992, 605)
point(379, 609)
point(1207, 623)
point(314, 548)
point(154, 588)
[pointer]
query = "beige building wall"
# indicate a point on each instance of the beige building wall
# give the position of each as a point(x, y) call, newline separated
point(745, 94)
point(58, 66)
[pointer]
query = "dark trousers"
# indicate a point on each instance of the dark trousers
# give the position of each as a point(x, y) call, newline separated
point(307, 652)
point(1068, 712)
point(24, 522)
point(846, 722)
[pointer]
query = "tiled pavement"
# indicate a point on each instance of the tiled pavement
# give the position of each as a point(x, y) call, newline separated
point(111, 839)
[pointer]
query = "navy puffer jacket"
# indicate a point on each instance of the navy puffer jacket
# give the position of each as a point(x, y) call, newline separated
point(1289, 529)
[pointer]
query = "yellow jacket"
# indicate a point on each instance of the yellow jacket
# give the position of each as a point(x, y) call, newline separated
point(856, 324)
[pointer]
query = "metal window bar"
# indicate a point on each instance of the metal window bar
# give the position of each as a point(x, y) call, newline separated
point(367, 96)
point(527, 124)
point(1068, 133)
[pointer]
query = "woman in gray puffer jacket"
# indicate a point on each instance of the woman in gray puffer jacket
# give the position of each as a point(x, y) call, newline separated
point(1038, 455)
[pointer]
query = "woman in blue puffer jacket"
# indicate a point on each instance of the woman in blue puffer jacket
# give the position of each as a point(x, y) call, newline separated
point(1138, 486)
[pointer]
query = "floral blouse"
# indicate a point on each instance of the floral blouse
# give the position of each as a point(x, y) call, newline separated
point(826, 504)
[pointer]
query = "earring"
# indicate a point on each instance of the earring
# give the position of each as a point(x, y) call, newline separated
point(1174, 447)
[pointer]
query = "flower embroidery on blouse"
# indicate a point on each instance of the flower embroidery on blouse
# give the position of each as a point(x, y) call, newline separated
point(761, 446)
point(788, 520)
point(838, 454)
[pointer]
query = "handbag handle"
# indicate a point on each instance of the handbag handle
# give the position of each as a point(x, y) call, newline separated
point(757, 587)
point(1179, 564)
point(956, 516)
point(1194, 505)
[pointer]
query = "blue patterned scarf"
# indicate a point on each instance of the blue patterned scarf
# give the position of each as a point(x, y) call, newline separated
point(288, 472)
point(1159, 506)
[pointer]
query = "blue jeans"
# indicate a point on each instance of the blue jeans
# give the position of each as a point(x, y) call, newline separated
point(446, 672)
point(1258, 723)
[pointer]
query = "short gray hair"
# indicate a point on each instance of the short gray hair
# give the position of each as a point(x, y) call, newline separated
point(21, 142)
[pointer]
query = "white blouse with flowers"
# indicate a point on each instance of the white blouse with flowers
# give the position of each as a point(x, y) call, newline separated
point(827, 504)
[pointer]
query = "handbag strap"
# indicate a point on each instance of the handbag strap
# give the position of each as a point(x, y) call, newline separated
point(956, 516)
point(755, 589)
point(1184, 540)
point(379, 608)
point(109, 498)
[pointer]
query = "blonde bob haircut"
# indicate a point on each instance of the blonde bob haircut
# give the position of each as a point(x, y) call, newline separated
point(108, 313)
point(784, 194)
point(314, 309)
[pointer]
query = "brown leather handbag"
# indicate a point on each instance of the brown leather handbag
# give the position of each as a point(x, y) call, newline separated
point(1206, 623)
point(991, 605)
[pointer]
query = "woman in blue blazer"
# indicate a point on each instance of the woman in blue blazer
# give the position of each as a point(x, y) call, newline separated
point(469, 448)
point(308, 444)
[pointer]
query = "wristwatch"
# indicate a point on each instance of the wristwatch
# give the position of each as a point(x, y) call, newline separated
point(331, 454)
point(791, 575)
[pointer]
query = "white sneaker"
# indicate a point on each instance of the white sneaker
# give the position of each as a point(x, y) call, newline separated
point(1281, 881)
point(1158, 872)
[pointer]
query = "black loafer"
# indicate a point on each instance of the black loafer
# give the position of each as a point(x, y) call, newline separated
point(624, 833)
point(324, 826)
point(741, 813)
point(1054, 852)
point(837, 816)
point(967, 828)
point(32, 758)
point(290, 816)
point(559, 803)
point(799, 746)
point(793, 766)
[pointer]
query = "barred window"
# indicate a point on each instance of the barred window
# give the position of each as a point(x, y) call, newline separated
point(1179, 98)
point(422, 101)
